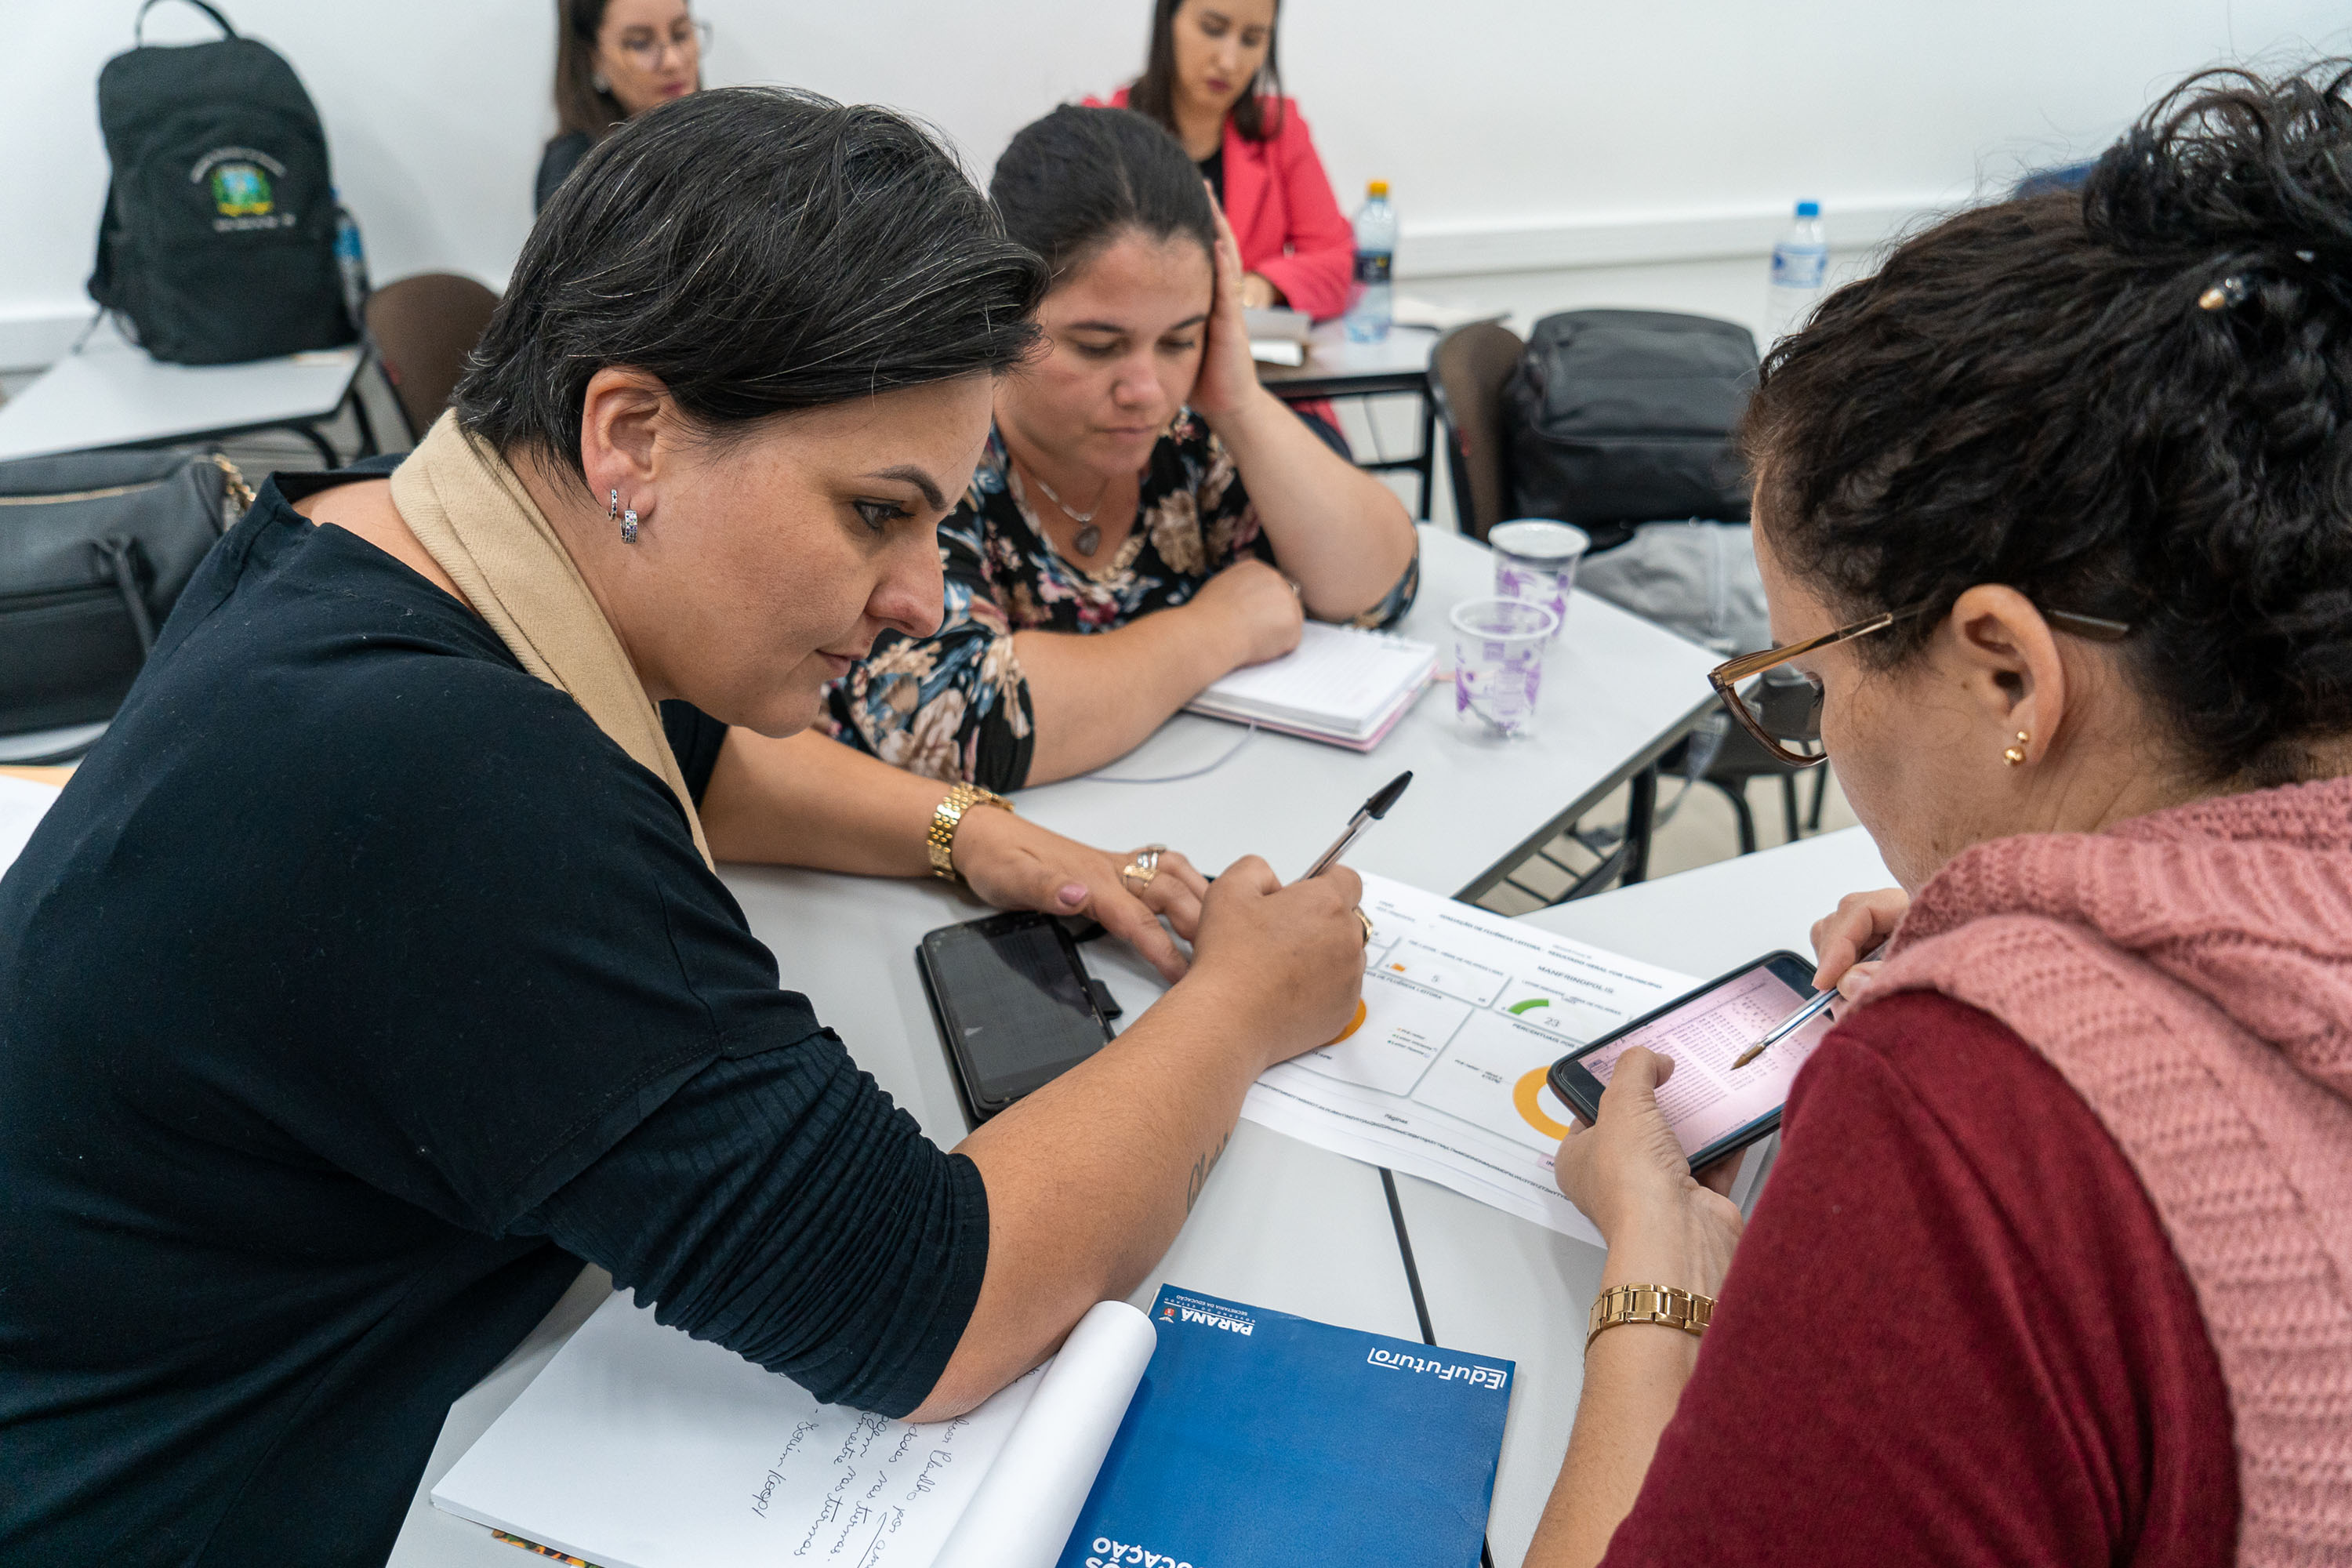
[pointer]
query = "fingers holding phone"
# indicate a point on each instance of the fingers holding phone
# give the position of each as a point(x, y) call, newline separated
point(1288, 959)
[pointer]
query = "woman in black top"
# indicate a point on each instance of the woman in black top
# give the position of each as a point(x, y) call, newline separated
point(613, 60)
point(371, 975)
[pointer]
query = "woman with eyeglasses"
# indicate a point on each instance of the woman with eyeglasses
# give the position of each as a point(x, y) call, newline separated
point(613, 60)
point(2055, 1264)
point(1211, 80)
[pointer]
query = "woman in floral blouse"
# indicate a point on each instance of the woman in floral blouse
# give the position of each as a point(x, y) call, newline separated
point(1146, 517)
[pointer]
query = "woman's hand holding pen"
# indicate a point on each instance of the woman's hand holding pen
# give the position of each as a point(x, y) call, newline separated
point(1287, 963)
point(1861, 923)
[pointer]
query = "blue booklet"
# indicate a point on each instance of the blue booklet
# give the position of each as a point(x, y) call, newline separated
point(1256, 1436)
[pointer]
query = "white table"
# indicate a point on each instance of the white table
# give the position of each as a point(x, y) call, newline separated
point(113, 394)
point(1281, 1225)
point(1617, 691)
point(1500, 1286)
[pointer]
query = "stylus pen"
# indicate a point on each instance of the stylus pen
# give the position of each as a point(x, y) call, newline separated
point(1374, 809)
point(1798, 1019)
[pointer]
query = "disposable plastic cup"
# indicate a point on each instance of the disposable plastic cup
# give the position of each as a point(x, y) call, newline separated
point(1498, 656)
point(1535, 560)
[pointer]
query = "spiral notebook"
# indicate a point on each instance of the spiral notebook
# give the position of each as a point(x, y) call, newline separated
point(1340, 685)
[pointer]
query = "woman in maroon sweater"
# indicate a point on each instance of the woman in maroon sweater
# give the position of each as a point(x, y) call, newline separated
point(2052, 514)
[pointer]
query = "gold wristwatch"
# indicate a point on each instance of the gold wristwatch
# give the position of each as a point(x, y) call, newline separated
point(961, 798)
point(1683, 1310)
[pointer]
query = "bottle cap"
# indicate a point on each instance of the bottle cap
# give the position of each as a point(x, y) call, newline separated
point(1808, 209)
point(1376, 188)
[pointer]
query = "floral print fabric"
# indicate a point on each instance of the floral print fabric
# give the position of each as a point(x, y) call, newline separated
point(955, 705)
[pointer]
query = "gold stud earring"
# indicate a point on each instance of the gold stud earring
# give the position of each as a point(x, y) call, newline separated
point(2015, 755)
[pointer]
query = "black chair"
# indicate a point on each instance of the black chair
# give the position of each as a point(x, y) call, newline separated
point(1468, 369)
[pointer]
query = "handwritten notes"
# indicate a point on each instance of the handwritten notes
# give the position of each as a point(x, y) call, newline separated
point(640, 1448)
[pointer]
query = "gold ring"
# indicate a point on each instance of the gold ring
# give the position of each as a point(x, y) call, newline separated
point(1367, 920)
point(1137, 874)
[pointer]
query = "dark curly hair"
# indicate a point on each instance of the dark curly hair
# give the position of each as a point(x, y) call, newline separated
point(760, 250)
point(2132, 401)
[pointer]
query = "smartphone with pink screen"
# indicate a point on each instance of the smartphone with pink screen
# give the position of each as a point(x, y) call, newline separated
point(1712, 1107)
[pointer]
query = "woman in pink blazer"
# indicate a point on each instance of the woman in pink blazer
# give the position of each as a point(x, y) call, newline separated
point(1210, 79)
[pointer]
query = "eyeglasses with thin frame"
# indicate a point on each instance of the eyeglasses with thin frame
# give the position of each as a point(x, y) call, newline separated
point(1788, 709)
point(649, 53)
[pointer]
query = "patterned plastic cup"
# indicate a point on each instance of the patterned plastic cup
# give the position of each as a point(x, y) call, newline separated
point(1535, 560)
point(1498, 653)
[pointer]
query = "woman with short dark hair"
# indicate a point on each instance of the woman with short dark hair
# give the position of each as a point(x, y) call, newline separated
point(613, 60)
point(1146, 517)
point(2055, 1264)
point(372, 972)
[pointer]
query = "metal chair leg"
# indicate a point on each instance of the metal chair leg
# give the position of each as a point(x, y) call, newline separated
point(1789, 806)
point(1740, 814)
point(1641, 813)
point(1821, 793)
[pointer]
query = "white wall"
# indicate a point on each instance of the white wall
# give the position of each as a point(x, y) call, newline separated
point(1543, 154)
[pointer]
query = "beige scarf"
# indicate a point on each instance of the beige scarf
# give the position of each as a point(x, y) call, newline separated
point(473, 516)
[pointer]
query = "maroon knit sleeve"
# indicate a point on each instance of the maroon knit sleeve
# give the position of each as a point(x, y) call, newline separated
point(1954, 1333)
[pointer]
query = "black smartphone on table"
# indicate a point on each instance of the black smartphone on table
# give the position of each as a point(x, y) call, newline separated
point(1714, 1109)
point(1016, 1006)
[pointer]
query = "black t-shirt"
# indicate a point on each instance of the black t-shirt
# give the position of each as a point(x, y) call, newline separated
point(356, 988)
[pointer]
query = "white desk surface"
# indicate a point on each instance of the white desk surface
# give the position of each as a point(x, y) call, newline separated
point(1281, 1225)
point(1329, 351)
point(1614, 684)
point(112, 394)
point(1501, 1286)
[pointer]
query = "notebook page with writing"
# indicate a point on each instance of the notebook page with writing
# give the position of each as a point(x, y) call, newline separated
point(1337, 681)
point(640, 1448)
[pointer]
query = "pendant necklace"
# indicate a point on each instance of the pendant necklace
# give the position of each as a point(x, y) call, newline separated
point(1088, 535)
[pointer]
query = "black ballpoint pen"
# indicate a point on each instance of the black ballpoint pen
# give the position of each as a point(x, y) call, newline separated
point(1374, 809)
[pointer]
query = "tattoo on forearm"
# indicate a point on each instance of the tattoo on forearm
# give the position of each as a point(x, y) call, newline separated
point(1201, 1169)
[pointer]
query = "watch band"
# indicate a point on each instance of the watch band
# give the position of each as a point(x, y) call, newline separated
point(1683, 1310)
point(961, 798)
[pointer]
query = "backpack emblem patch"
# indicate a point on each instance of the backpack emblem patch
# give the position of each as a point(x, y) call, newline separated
point(241, 190)
point(238, 180)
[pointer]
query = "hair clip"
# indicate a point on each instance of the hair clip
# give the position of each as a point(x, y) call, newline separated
point(2221, 296)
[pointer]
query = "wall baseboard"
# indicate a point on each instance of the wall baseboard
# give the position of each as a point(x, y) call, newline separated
point(34, 335)
point(1470, 248)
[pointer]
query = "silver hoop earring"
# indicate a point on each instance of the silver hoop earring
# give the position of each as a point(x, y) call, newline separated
point(616, 505)
point(629, 526)
point(596, 81)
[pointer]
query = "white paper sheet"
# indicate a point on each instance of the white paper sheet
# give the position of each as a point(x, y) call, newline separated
point(1022, 1514)
point(1443, 1076)
point(640, 1448)
point(22, 805)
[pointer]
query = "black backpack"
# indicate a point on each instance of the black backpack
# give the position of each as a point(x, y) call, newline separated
point(219, 240)
point(1619, 417)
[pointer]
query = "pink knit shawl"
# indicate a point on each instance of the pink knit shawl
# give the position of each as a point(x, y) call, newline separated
point(2190, 972)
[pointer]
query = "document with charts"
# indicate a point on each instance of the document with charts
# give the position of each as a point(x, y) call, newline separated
point(1441, 1072)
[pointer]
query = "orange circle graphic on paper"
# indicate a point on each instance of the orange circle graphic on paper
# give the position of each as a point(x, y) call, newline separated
point(1354, 1024)
point(1523, 1097)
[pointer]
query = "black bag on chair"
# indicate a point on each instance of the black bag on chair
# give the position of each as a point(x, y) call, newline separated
point(1619, 417)
point(94, 550)
point(218, 243)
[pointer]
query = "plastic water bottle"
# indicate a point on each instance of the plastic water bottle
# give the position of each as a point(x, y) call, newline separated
point(350, 261)
point(1800, 267)
point(1376, 238)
